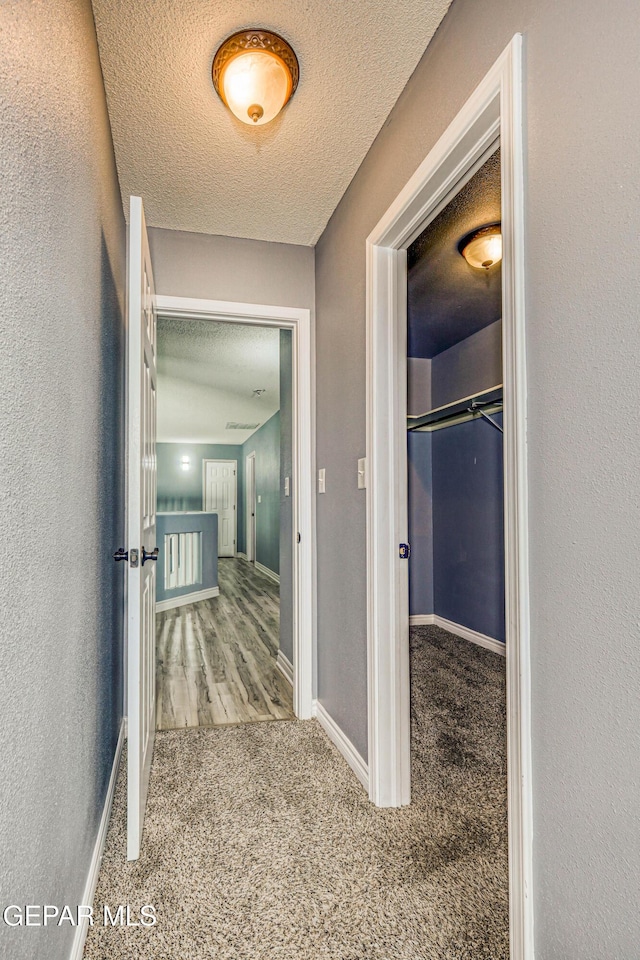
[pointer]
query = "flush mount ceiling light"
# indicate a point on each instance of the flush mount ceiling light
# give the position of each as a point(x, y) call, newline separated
point(482, 248)
point(255, 73)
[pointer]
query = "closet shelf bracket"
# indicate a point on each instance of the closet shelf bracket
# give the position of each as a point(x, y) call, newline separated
point(476, 407)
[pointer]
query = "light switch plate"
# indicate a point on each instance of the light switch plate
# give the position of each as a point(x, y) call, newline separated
point(286, 487)
point(362, 473)
point(321, 481)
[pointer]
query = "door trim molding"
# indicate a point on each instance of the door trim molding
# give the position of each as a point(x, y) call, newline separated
point(493, 112)
point(298, 320)
point(235, 498)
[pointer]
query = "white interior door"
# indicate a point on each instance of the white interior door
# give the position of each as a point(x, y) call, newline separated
point(220, 498)
point(251, 506)
point(141, 502)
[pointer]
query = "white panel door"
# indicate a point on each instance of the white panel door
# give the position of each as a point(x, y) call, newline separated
point(141, 504)
point(220, 498)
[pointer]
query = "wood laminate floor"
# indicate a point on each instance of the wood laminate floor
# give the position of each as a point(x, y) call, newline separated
point(216, 659)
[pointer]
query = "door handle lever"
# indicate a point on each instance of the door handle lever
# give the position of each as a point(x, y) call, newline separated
point(121, 554)
point(149, 556)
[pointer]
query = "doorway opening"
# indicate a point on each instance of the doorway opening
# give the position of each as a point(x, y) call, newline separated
point(456, 537)
point(281, 532)
point(224, 633)
point(492, 115)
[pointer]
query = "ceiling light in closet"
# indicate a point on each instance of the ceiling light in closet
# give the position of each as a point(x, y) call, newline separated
point(482, 248)
point(255, 73)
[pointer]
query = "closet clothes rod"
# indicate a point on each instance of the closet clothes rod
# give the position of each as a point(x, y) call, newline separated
point(479, 404)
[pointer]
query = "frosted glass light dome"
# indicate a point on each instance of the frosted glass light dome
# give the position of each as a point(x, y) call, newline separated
point(256, 87)
point(482, 248)
point(255, 73)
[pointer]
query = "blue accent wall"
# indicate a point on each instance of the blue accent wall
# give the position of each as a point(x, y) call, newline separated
point(460, 575)
point(468, 535)
point(266, 444)
point(180, 489)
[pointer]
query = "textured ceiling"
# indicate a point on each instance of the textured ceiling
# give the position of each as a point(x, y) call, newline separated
point(200, 169)
point(447, 299)
point(207, 373)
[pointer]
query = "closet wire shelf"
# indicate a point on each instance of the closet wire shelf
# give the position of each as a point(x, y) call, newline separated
point(478, 405)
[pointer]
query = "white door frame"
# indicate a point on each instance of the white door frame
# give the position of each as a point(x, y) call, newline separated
point(298, 320)
point(494, 112)
point(250, 512)
point(235, 495)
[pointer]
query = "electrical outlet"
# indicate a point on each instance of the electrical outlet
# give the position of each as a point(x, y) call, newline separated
point(322, 488)
point(259, 498)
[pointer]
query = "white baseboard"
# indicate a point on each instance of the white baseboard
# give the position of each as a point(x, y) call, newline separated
point(187, 598)
point(266, 571)
point(342, 742)
point(285, 666)
point(459, 630)
point(241, 556)
point(77, 948)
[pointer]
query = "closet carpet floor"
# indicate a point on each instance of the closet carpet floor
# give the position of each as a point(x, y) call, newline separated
point(261, 844)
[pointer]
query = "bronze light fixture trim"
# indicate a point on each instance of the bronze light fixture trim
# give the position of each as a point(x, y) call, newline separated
point(255, 73)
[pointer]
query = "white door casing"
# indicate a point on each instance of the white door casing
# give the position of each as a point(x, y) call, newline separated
point(250, 487)
point(493, 113)
point(298, 320)
point(141, 513)
point(220, 494)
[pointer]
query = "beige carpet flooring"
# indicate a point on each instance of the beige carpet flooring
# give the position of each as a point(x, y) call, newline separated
point(260, 844)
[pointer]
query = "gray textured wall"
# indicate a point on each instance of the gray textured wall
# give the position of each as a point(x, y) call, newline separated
point(286, 503)
point(265, 442)
point(582, 100)
point(229, 268)
point(62, 248)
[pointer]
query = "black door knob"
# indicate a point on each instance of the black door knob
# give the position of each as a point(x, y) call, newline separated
point(121, 554)
point(149, 556)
